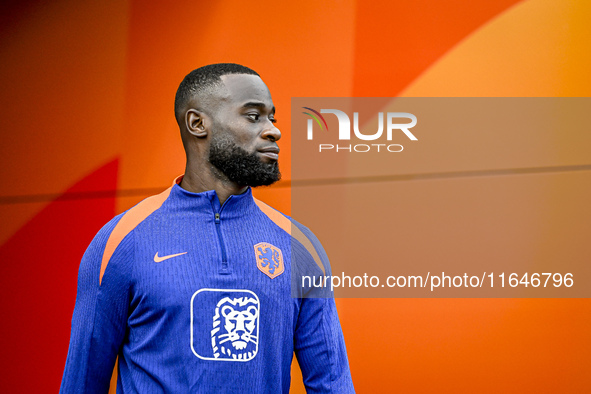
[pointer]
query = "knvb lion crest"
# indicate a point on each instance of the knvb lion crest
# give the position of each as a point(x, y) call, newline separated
point(269, 259)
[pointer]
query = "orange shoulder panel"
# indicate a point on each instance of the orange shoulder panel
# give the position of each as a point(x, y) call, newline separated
point(128, 222)
point(292, 230)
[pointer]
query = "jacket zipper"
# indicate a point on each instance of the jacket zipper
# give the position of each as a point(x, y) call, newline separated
point(222, 245)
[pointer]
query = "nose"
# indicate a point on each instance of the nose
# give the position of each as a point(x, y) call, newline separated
point(271, 133)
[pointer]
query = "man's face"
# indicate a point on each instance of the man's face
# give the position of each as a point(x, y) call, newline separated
point(243, 139)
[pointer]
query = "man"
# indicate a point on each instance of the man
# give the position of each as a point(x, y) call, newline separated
point(190, 291)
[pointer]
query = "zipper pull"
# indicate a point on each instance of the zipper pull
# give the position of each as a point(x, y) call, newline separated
point(217, 218)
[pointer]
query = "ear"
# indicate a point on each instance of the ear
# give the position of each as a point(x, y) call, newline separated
point(194, 123)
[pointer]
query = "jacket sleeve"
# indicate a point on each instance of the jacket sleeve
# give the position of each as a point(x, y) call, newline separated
point(319, 343)
point(100, 316)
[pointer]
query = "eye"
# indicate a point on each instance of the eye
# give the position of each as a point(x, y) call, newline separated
point(253, 117)
point(272, 119)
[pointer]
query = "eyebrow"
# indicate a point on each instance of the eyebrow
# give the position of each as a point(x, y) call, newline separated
point(257, 104)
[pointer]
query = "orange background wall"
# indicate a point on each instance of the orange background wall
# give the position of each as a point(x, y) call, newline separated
point(88, 131)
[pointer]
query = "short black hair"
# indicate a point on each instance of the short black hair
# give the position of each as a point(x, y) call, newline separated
point(203, 79)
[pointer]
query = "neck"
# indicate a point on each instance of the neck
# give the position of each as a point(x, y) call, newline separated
point(206, 177)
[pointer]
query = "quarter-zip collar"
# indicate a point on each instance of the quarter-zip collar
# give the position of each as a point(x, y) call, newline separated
point(206, 205)
point(235, 206)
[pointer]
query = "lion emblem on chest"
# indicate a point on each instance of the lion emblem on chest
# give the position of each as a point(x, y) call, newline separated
point(269, 259)
point(235, 329)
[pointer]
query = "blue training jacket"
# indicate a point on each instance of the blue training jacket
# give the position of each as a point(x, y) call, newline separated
point(182, 295)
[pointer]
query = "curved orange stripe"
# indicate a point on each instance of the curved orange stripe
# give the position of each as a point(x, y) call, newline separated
point(275, 216)
point(128, 222)
point(292, 230)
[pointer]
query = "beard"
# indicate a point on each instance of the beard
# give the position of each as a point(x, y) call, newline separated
point(240, 166)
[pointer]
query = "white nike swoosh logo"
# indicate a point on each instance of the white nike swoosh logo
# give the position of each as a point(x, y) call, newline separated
point(158, 259)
